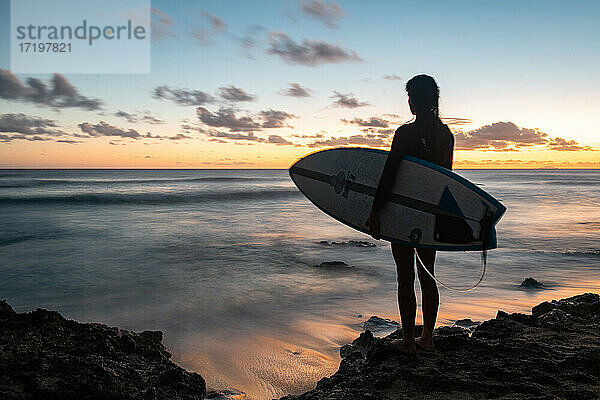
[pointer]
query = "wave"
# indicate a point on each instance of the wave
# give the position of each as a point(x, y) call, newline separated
point(89, 182)
point(151, 198)
point(6, 241)
point(580, 253)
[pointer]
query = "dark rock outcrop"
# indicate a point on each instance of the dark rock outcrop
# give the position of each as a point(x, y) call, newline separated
point(532, 283)
point(376, 324)
point(468, 324)
point(333, 265)
point(45, 356)
point(554, 353)
point(225, 394)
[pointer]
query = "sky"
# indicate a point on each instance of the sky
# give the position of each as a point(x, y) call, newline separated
point(259, 84)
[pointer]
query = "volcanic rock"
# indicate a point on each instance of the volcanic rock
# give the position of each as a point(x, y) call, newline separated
point(45, 356)
point(553, 353)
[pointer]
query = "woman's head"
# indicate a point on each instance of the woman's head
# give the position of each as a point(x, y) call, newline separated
point(423, 95)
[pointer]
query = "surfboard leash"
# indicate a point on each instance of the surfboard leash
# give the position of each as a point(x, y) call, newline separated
point(484, 264)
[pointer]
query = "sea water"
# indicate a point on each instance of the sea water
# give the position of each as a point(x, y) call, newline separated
point(223, 262)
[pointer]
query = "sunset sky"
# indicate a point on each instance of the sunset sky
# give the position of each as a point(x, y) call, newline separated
point(259, 84)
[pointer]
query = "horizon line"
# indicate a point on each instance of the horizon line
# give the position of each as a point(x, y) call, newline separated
point(254, 169)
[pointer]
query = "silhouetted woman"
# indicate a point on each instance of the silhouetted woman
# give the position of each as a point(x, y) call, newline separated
point(429, 139)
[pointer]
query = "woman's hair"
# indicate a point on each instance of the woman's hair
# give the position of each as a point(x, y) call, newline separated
point(424, 95)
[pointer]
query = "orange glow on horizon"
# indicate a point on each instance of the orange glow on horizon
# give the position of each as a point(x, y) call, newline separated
point(210, 155)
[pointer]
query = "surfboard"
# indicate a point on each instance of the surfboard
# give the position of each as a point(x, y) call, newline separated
point(428, 206)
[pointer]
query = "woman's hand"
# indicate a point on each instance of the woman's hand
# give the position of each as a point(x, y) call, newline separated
point(373, 223)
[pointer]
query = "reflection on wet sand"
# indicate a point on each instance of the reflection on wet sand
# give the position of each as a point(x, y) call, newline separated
point(267, 366)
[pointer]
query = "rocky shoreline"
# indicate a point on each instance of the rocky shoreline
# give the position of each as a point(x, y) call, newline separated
point(45, 356)
point(554, 353)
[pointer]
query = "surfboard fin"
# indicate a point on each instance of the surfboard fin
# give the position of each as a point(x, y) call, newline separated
point(450, 229)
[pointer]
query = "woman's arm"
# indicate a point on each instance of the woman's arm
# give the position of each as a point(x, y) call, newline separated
point(385, 182)
point(449, 150)
point(389, 171)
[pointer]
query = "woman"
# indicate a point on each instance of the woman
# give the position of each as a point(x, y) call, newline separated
point(429, 139)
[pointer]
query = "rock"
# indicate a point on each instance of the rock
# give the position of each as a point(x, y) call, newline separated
point(376, 324)
point(551, 354)
point(467, 324)
point(580, 306)
point(333, 265)
point(451, 338)
point(225, 394)
point(45, 356)
point(6, 310)
point(554, 317)
point(349, 243)
point(531, 283)
point(542, 308)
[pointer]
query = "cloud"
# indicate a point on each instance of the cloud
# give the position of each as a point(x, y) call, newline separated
point(226, 118)
point(218, 136)
point(310, 53)
point(392, 77)
point(372, 122)
point(295, 90)
point(150, 119)
point(347, 100)
point(180, 136)
point(60, 94)
point(363, 140)
point(206, 35)
point(8, 138)
point(139, 117)
point(315, 136)
point(68, 141)
point(235, 136)
point(223, 137)
point(378, 132)
point(385, 132)
point(233, 93)
point(251, 39)
point(129, 117)
point(189, 128)
point(456, 121)
point(216, 23)
point(105, 129)
point(183, 97)
point(499, 136)
point(24, 127)
point(506, 136)
point(328, 13)
point(161, 25)
point(560, 144)
point(225, 161)
point(275, 119)
point(278, 140)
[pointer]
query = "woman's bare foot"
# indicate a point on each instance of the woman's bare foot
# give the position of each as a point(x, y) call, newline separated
point(424, 344)
point(403, 346)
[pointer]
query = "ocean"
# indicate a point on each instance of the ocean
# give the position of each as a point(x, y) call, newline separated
point(223, 262)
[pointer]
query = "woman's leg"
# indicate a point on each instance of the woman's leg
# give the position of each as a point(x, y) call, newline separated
point(405, 267)
point(430, 298)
